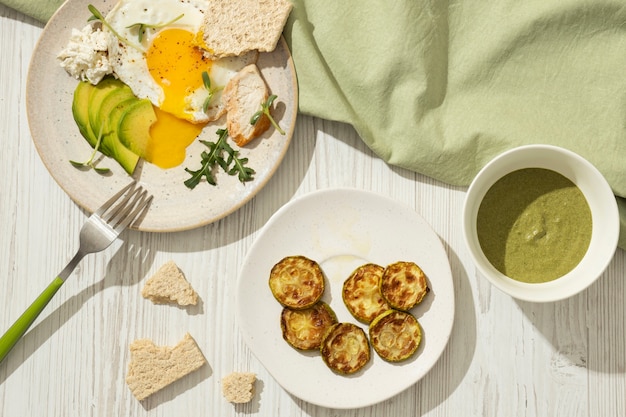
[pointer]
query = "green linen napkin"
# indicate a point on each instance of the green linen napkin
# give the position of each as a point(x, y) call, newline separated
point(41, 10)
point(441, 87)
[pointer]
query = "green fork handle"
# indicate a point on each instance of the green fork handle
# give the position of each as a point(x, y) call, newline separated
point(21, 325)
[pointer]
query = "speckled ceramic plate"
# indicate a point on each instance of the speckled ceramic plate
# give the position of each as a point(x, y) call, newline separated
point(342, 229)
point(49, 95)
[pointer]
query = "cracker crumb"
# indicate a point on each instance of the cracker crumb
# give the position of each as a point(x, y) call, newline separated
point(238, 387)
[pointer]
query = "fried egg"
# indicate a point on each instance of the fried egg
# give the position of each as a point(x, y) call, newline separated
point(155, 53)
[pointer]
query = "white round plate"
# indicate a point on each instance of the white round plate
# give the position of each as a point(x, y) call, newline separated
point(49, 94)
point(342, 229)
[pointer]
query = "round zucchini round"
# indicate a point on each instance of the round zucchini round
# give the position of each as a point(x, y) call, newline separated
point(403, 285)
point(361, 293)
point(395, 335)
point(304, 329)
point(297, 282)
point(345, 348)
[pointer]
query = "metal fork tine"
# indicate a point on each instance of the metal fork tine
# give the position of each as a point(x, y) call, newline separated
point(136, 213)
point(113, 199)
point(120, 212)
point(119, 209)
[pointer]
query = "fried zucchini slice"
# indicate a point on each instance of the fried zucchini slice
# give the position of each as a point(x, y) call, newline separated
point(297, 282)
point(395, 335)
point(345, 348)
point(403, 285)
point(304, 329)
point(361, 293)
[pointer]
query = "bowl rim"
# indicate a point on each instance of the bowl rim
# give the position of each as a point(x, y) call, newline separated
point(605, 234)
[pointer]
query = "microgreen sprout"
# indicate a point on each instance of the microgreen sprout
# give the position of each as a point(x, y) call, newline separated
point(206, 80)
point(96, 15)
point(90, 163)
point(141, 27)
point(265, 110)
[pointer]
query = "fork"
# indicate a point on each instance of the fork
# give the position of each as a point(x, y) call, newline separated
point(99, 231)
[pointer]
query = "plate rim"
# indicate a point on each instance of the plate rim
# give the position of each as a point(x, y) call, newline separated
point(320, 193)
point(57, 22)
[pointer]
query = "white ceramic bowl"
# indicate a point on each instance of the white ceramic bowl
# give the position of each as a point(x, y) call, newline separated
point(604, 215)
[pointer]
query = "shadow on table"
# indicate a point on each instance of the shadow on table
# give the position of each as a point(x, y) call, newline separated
point(129, 255)
point(177, 388)
point(136, 251)
point(586, 330)
point(253, 215)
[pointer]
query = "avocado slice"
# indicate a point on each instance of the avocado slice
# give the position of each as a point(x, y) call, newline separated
point(134, 127)
point(111, 109)
point(123, 155)
point(86, 108)
point(98, 94)
point(80, 111)
point(107, 103)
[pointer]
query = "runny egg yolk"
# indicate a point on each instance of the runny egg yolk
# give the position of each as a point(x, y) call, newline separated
point(169, 138)
point(176, 65)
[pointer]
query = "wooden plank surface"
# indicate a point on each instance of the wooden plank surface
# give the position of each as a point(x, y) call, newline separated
point(505, 357)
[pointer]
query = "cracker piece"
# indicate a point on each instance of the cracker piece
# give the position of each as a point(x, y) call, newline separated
point(232, 27)
point(152, 367)
point(169, 286)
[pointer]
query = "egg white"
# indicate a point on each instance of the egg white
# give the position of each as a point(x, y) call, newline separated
point(128, 57)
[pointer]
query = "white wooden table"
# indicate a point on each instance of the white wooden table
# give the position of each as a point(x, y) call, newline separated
point(504, 357)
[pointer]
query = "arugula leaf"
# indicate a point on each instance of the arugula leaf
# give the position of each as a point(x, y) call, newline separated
point(232, 165)
point(243, 172)
point(265, 110)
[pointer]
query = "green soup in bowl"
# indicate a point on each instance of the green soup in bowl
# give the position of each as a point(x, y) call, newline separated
point(540, 222)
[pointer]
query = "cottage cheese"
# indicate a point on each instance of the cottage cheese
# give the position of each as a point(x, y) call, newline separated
point(85, 57)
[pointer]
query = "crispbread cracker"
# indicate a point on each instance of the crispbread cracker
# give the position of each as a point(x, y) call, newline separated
point(232, 27)
point(152, 367)
point(238, 387)
point(168, 286)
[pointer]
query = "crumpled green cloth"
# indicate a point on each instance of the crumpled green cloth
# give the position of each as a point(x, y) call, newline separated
point(41, 10)
point(441, 87)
